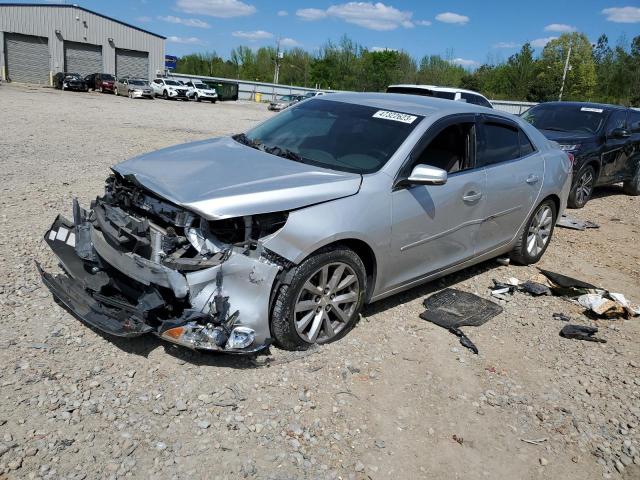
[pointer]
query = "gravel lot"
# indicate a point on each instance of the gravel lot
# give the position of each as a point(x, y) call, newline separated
point(385, 402)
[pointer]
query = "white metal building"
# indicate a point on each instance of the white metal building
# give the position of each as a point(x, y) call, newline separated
point(39, 40)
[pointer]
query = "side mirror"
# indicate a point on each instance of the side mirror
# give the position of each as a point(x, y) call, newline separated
point(427, 175)
point(620, 133)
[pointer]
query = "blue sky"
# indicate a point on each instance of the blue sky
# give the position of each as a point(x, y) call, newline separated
point(472, 32)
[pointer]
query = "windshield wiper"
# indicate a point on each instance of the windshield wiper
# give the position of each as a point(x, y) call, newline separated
point(242, 138)
point(284, 153)
point(554, 129)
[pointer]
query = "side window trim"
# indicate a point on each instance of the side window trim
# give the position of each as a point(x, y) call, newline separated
point(429, 135)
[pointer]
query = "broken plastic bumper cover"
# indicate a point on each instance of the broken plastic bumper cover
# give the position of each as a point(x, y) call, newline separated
point(98, 280)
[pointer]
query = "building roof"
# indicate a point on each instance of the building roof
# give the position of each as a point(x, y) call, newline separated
point(78, 7)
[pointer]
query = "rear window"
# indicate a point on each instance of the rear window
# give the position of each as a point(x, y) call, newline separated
point(425, 92)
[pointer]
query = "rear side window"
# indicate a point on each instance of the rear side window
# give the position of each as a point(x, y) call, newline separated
point(526, 147)
point(475, 100)
point(501, 143)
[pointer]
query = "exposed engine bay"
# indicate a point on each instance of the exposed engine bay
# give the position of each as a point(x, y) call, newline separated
point(135, 263)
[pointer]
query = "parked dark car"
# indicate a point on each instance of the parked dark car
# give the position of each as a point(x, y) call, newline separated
point(604, 141)
point(69, 81)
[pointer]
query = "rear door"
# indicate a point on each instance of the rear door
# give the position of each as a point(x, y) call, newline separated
point(515, 170)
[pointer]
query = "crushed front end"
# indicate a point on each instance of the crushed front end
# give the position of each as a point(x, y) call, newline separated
point(135, 263)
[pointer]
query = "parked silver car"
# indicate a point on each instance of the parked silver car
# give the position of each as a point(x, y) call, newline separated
point(282, 233)
point(133, 88)
point(285, 101)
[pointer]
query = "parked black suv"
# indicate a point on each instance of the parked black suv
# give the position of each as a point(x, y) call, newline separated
point(603, 139)
point(69, 81)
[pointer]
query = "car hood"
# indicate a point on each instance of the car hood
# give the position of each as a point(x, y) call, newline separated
point(568, 137)
point(221, 178)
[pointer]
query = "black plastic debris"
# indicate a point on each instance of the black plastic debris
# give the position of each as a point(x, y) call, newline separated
point(452, 309)
point(575, 224)
point(562, 317)
point(534, 288)
point(566, 282)
point(581, 332)
point(503, 287)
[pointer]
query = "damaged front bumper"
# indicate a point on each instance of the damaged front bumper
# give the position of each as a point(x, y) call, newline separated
point(119, 279)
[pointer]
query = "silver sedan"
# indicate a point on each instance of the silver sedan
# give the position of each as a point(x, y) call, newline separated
point(133, 88)
point(282, 234)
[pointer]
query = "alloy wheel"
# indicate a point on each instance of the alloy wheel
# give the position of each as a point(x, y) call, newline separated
point(539, 230)
point(326, 302)
point(584, 187)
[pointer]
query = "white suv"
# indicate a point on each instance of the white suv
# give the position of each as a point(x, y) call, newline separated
point(199, 91)
point(169, 89)
point(457, 94)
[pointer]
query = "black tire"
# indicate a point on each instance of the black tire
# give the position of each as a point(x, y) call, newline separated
point(198, 99)
point(165, 95)
point(632, 186)
point(283, 327)
point(582, 188)
point(520, 253)
point(213, 101)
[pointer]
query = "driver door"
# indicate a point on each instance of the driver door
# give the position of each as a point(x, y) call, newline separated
point(435, 226)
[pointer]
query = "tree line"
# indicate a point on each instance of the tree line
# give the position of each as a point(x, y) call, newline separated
point(599, 73)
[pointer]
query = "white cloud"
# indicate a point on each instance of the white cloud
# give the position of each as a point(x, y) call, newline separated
point(622, 14)
point(143, 19)
point(311, 14)
point(450, 17)
point(506, 45)
point(289, 42)
point(559, 27)
point(541, 42)
point(423, 23)
point(374, 16)
point(216, 8)
point(188, 22)
point(184, 40)
point(464, 62)
point(282, 13)
point(252, 36)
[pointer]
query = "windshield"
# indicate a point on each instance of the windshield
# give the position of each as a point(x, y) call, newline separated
point(425, 92)
point(171, 82)
point(335, 135)
point(72, 75)
point(287, 98)
point(106, 76)
point(566, 118)
point(137, 82)
point(202, 86)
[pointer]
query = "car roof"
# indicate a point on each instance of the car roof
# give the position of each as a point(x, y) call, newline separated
point(436, 88)
point(604, 106)
point(412, 104)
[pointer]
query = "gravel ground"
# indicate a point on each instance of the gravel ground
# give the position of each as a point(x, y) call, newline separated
point(398, 397)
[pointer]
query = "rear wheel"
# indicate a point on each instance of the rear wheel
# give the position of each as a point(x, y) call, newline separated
point(322, 302)
point(582, 188)
point(632, 187)
point(536, 235)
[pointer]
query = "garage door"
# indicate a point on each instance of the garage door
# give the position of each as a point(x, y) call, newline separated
point(27, 58)
point(131, 63)
point(82, 58)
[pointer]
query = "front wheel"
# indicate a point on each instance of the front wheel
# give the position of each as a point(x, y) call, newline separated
point(536, 235)
point(582, 188)
point(165, 95)
point(322, 302)
point(115, 92)
point(632, 187)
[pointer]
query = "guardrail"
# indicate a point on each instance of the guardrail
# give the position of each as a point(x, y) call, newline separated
point(266, 92)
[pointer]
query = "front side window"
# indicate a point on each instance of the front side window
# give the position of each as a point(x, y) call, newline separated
point(617, 119)
point(336, 135)
point(451, 150)
point(500, 143)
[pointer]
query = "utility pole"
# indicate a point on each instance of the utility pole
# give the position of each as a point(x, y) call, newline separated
point(564, 73)
point(276, 74)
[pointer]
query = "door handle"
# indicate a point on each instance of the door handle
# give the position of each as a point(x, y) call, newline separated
point(472, 196)
point(531, 179)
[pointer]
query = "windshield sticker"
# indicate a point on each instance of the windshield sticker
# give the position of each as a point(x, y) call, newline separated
point(589, 109)
point(398, 117)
